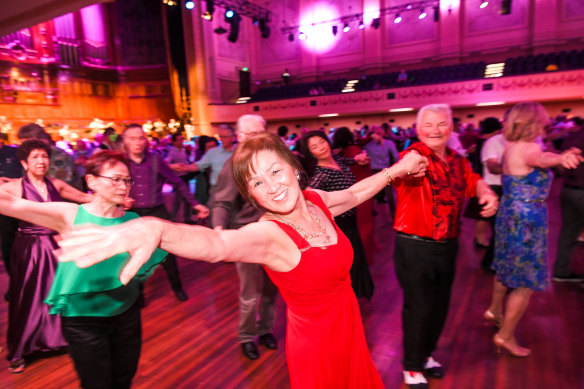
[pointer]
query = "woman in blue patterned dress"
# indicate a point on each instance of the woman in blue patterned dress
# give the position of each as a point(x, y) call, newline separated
point(521, 227)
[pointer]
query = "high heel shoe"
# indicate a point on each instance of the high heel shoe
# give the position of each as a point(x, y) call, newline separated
point(511, 346)
point(490, 317)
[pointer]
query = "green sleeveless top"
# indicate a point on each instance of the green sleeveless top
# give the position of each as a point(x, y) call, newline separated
point(97, 290)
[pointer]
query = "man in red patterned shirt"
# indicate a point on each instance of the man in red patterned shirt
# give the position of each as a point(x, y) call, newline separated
point(427, 222)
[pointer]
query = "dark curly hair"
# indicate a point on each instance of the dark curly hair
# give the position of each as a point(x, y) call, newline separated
point(29, 146)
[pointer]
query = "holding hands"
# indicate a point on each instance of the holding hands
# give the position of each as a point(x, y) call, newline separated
point(571, 158)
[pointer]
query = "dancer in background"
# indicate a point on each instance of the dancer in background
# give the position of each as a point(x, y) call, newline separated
point(521, 227)
point(33, 264)
point(427, 222)
point(100, 317)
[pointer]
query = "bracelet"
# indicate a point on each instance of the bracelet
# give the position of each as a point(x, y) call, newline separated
point(387, 176)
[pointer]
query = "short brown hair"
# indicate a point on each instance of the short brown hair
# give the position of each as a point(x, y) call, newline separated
point(243, 160)
point(525, 121)
point(104, 159)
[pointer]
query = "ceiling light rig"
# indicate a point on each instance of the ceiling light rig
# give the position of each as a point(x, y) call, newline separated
point(237, 9)
point(396, 11)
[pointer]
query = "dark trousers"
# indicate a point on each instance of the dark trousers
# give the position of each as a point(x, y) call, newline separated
point(169, 265)
point(572, 203)
point(8, 228)
point(490, 253)
point(425, 271)
point(105, 350)
point(181, 200)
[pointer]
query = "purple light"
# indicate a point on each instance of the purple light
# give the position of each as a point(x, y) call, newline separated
point(423, 14)
point(397, 19)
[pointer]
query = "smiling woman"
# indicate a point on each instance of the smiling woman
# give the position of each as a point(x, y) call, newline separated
point(303, 251)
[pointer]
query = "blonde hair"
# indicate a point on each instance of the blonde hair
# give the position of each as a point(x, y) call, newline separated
point(525, 121)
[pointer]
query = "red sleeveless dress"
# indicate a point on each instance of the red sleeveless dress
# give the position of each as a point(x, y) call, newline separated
point(325, 341)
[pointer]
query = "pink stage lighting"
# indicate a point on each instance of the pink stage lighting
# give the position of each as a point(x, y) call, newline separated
point(319, 38)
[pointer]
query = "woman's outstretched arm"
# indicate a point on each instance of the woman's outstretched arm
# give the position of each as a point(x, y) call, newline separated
point(260, 242)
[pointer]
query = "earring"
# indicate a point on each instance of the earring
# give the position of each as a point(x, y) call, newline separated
point(298, 175)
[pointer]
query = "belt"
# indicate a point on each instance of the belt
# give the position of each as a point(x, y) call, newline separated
point(423, 238)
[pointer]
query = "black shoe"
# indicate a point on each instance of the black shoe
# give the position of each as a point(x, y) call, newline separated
point(250, 350)
point(433, 369)
point(269, 341)
point(181, 295)
point(434, 372)
point(569, 278)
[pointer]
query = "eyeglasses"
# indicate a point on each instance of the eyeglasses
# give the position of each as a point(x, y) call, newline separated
point(116, 181)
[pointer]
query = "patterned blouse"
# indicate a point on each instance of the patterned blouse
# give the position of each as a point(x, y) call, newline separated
point(329, 180)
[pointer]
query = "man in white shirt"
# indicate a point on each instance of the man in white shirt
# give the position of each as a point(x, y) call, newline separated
point(492, 159)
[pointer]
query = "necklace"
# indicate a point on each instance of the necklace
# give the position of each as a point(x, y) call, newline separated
point(306, 235)
point(41, 190)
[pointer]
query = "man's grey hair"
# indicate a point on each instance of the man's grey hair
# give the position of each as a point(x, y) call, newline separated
point(436, 108)
point(243, 121)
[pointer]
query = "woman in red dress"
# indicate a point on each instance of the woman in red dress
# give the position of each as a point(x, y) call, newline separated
point(303, 251)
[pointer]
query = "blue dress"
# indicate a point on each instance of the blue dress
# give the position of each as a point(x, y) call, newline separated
point(521, 231)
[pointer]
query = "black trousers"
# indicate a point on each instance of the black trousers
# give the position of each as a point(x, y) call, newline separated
point(425, 271)
point(105, 350)
point(490, 253)
point(169, 265)
point(572, 203)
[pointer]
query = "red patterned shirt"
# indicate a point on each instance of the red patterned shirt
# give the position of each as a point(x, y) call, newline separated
point(430, 206)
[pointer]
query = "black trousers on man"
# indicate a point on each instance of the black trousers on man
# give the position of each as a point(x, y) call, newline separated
point(572, 203)
point(169, 265)
point(105, 350)
point(425, 271)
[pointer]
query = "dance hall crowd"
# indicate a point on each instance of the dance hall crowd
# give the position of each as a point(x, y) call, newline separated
point(295, 214)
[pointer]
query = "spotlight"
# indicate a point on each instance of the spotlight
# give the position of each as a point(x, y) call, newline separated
point(375, 23)
point(207, 16)
point(255, 21)
point(189, 4)
point(291, 37)
point(264, 28)
point(302, 36)
point(408, 7)
point(228, 13)
point(234, 27)
point(484, 4)
point(335, 30)
point(505, 7)
point(210, 6)
point(346, 28)
point(423, 14)
point(397, 19)
point(361, 24)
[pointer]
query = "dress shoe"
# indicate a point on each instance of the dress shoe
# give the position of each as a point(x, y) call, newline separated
point(511, 346)
point(269, 341)
point(415, 380)
point(181, 295)
point(433, 368)
point(250, 350)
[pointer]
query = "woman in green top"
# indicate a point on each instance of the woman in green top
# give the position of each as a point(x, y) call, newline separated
point(99, 315)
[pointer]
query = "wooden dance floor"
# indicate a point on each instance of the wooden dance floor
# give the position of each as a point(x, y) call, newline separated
point(193, 344)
